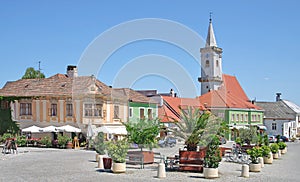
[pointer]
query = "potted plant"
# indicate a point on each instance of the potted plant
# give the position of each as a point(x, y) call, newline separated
point(46, 141)
point(267, 154)
point(212, 158)
point(99, 146)
point(191, 128)
point(143, 133)
point(255, 153)
point(117, 150)
point(282, 147)
point(63, 140)
point(274, 149)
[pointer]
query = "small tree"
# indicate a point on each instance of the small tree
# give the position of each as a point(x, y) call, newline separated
point(248, 135)
point(99, 143)
point(212, 156)
point(144, 133)
point(117, 150)
point(31, 73)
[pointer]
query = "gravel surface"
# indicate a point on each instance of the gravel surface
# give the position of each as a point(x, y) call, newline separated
point(38, 164)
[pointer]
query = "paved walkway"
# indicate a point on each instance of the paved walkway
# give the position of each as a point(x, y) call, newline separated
point(36, 164)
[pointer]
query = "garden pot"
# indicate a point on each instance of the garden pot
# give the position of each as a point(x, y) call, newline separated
point(69, 145)
point(254, 167)
point(97, 157)
point(261, 161)
point(275, 155)
point(191, 160)
point(148, 156)
point(284, 150)
point(100, 162)
point(210, 172)
point(107, 162)
point(268, 160)
point(119, 167)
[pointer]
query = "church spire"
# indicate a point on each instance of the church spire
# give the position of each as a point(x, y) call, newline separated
point(210, 40)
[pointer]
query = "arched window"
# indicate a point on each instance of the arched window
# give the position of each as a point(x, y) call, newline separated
point(207, 63)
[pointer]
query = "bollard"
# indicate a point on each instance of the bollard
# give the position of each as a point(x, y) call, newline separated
point(279, 153)
point(245, 171)
point(161, 173)
point(100, 162)
point(261, 161)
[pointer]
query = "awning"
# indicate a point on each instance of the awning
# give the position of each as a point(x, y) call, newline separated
point(118, 130)
point(238, 127)
point(50, 129)
point(68, 128)
point(261, 127)
point(33, 129)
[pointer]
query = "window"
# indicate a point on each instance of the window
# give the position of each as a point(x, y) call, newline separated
point(142, 113)
point(98, 110)
point(258, 118)
point(69, 110)
point(53, 110)
point(246, 117)
point(130, 112)
point(217, 63)
point(116, 112)
point(242, 117)
point(150, 114)
point(207, 63)
point(232, 117)
point(93, 110)
point(237, 117)
point(274, 127)
point(88, 109)
point(25, 109)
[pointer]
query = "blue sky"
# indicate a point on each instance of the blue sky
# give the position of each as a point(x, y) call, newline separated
point(259, 40)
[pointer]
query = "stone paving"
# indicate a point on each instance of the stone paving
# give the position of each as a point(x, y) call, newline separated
point(41, 164)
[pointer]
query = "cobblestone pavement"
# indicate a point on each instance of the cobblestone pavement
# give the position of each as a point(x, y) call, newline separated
point(37, 164)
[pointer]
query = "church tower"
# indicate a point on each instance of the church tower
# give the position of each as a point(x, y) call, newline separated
point(211, 63)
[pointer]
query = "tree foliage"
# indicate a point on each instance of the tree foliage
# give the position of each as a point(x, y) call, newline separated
point(31, 73)
point(212, 155)
point(195, 126)
point(99, 143)
point(144, 132)
point(7, 125)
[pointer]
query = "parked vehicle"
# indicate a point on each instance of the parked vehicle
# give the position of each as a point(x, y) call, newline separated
point(272, 138)
point(284, 139)
point(167, 142)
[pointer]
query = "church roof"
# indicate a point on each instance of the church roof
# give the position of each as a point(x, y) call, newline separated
point(229, 95)
point(210, 39)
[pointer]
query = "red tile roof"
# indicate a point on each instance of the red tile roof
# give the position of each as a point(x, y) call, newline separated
point(170, 108)
point(229, 95)
point(57, 85)
point(133, 95)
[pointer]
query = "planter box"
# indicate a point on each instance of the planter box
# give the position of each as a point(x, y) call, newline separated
point(191, 160)
point(148, 156)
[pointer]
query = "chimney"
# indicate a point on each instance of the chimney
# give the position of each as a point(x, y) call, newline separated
point(72, 71)
point(278, 97)
point(172, 93)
